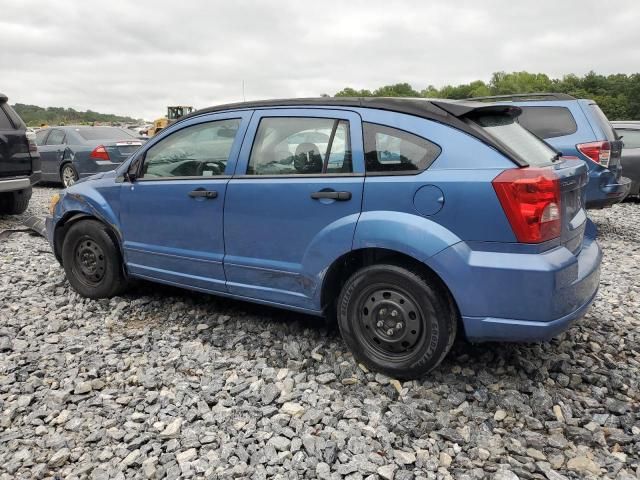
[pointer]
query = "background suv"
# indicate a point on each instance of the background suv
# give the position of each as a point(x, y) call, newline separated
point(19, 161)
point(629, 132)
point(576, 128)
point(402, 218)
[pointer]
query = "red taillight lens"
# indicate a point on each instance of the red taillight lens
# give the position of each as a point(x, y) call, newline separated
point(599, 152)
point(530, 198)
point(100, 153)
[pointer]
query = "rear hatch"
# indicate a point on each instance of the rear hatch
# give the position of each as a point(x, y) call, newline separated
point(547, 174)
point(15, 157)
point(601, 122)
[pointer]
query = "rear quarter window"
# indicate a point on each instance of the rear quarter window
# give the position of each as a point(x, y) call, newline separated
point(508, 132)
point(548, 122)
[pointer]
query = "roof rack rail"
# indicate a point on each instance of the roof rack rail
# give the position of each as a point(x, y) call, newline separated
point(526, 96)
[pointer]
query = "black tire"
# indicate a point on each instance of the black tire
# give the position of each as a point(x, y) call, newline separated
point(15, 203)
point(396, 321)
point(68, 174)
point(92, 260)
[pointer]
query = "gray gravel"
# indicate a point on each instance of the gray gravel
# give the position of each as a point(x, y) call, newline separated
point(164, 383)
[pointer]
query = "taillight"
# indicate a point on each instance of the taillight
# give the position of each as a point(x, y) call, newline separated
point(530, 198)
point(100, 153)
point(599, 152)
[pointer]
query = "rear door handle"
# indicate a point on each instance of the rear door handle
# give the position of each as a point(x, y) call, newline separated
point(340, 196)
point(203, 194)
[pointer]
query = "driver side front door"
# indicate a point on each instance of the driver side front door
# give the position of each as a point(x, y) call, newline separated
point(171, 214)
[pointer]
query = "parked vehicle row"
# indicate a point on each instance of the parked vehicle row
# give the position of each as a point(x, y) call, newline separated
point(372, 211)
point(19, 161)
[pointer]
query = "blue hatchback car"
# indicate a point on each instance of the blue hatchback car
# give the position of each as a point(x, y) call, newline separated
point(577, 128)
point(404, 219)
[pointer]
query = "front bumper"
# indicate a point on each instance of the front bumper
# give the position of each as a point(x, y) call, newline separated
point(520, 297)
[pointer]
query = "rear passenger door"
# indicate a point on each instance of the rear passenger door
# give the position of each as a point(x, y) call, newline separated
point(293, 203)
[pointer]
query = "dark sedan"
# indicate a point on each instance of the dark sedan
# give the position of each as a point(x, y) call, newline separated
point(72, 152)
point(630, 133)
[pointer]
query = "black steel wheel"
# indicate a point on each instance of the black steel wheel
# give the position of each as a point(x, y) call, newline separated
point(396, 321)
point(92, 260)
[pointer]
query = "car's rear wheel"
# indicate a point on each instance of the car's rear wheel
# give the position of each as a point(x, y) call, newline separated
point(92, 260)
point(68, 175)
point(396, 321)
point(15, 203)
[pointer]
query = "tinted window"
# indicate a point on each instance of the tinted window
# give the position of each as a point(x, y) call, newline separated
point(630, 138)
point(56, 137)
point(548, 122)
point(299, 146)
point(40, 136)
point(507, 131)
point(391, 150)
point(104, 133)
point(5, 123)
point(198, 151)
point(603, 121)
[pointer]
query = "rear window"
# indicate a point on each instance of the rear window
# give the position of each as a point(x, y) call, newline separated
point(104, 133)
point(603, 121)
point(5, 123)
point(511, 134)
point(630, 138)
point(548, 122)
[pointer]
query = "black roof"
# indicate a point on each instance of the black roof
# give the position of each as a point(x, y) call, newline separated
point(434, 109)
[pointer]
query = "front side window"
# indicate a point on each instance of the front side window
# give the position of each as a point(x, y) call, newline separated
point(56, 137)
point(40, 136)
point(630, 138)
point(301, 146)
point(197, 151)
point(548, 122)
point(389, 150)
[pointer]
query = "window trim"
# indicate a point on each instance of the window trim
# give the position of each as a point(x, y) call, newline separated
point(366, 140)
point(143, 155)
point(336, 122)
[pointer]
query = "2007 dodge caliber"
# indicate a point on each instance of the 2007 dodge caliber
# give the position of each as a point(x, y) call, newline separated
point(406, 219)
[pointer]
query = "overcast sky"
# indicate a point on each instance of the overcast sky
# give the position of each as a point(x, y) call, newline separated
point(136, 57)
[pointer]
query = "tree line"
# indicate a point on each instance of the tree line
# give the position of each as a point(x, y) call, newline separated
point(35, 116)
point(618, 95)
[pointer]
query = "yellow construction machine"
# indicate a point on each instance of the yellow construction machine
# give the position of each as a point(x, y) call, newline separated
point(173, 114)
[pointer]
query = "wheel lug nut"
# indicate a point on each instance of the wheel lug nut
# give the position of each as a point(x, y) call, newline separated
point(390, 332)
point(399, 326)
point(383, 311)
point(379, 324)
point(394, 313)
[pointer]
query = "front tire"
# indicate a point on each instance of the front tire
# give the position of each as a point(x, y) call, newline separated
point(68, 175)
point(396, 321)
point(92, 260)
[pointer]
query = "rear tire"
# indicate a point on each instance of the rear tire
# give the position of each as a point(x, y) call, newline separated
point(92, 260)
point(68, 175)
point(396, 321)
point(15, 203)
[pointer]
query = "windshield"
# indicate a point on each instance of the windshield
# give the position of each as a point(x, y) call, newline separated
point(105, 133)
point(510, 133)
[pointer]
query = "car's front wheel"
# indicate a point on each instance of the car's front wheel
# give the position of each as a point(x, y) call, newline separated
point(68, 175)
point(92, 260)
point(396, 321)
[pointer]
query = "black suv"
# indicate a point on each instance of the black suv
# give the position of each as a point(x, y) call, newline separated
point(19, 161)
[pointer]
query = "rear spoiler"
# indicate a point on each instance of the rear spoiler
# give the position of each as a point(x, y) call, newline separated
point(3, 98)
point(468, 109)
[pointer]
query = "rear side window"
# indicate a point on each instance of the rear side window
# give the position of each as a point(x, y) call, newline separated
point(5, 123)
point(40, 136)
point(301, 146)
point(630, 138)
point(391, 151)
point(603, 121)
point(511, 134)
point(548, 122)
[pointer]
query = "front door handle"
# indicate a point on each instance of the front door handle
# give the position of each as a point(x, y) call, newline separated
point(332, 194)
point(203, 194)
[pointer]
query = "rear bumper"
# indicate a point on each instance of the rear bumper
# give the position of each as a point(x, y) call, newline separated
point(603, 191)
point(520, 297)
point(15, 184)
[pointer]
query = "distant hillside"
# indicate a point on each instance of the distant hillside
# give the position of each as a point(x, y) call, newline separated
point(35, 116)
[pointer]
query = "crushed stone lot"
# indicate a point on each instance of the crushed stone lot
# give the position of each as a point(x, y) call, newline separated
point(165, 383)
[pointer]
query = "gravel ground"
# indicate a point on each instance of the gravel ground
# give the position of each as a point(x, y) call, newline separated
point(163, 383)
